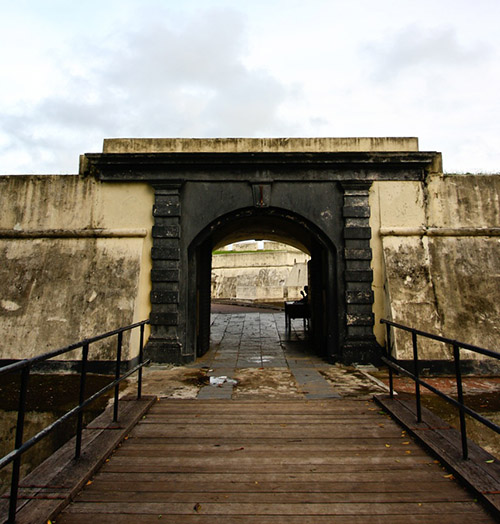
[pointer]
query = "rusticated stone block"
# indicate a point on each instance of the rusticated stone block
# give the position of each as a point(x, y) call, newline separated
point(364, 319)
point(164, 297)
point(357, 265)
point(166, 210)
point(356, 212)
point(165, 253)
point(358, 254)
point(359, 297)
point(357, 232)
point(164, 275)
point(169, 319)
point(359, 276)
point(166, 231)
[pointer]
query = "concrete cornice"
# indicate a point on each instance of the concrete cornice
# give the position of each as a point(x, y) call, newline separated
point(286, 166)
point(440, 231)
point(73, 233)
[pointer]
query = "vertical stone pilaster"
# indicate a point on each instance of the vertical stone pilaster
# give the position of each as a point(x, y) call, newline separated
point(360, 344)
point(164, 344)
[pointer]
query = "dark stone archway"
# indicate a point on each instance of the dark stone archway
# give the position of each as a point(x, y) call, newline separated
point(283, 226)
point(318, 199)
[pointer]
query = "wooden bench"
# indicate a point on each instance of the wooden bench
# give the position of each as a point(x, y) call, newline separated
point(296, 310)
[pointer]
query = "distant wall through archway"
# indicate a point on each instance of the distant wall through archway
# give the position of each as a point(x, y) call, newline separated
point(279, 225)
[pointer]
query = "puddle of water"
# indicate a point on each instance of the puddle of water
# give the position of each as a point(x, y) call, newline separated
point(49, 397)
point(197, 377)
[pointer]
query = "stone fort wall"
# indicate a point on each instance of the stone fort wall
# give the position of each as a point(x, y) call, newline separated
point(76, 260)
point(259, 272)
point(436, 248)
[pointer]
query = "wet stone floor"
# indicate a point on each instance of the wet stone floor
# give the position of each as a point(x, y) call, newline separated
point(253, 356)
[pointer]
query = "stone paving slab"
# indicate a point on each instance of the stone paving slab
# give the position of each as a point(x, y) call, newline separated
point(259, 341)
point(282, 366)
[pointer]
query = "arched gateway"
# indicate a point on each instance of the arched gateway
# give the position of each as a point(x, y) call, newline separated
point(310, 193)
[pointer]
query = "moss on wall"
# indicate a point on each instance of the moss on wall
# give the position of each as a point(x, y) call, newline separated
point(75, 262)
point(437, 259)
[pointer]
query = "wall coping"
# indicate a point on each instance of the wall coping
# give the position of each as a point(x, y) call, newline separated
point(254, 145)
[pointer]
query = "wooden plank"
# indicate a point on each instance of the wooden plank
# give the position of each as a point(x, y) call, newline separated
point(123, 483)
point(265, 433)
point(304, 477)
point(60, 477)
point(278, 418)
point(251, 406)
point(197, 445)
point(102, 518)
point(396, 450)
point(174, 465)
point(375, 470)
point(460, 509)
point(288, 497)
point(247, 406)
point(242, 459)
point(480, 472)
point(248, 466)
point(298, 404)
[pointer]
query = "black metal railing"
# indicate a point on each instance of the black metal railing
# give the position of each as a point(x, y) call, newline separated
point(393, 365)
point(25, 366)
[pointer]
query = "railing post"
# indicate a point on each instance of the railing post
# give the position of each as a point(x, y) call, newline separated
point(16, 466)
point(388, 353)
point(141, 358)
point(117, 374)
point(83, 380)
point(460, 394)
point(417, 375)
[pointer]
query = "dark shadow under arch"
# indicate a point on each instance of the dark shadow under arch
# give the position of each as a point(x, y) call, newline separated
point(273, 224)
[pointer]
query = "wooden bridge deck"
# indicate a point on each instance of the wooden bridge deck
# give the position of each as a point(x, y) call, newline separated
point(294, 461)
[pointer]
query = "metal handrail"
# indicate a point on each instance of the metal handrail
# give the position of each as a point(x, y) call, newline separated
point(24, 367)
point(392, 364)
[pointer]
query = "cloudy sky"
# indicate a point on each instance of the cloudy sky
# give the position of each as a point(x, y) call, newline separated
point(74, 72)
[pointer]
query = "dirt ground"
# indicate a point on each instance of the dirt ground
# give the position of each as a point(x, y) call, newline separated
point(186, 382)
point(272, 383)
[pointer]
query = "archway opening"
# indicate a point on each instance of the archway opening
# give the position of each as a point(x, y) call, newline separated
point(278, 226)
point(259, 273)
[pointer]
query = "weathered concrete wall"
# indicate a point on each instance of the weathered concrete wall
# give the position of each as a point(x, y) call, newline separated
point(76, 252)
point(75, 262)
point(275, 273)
point(436, 259)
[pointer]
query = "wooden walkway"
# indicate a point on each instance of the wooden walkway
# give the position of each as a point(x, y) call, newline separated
point(294, 461)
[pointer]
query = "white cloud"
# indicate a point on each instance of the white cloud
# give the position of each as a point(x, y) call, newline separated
point(89, 70)
point(157, 80)
point(423, 49)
